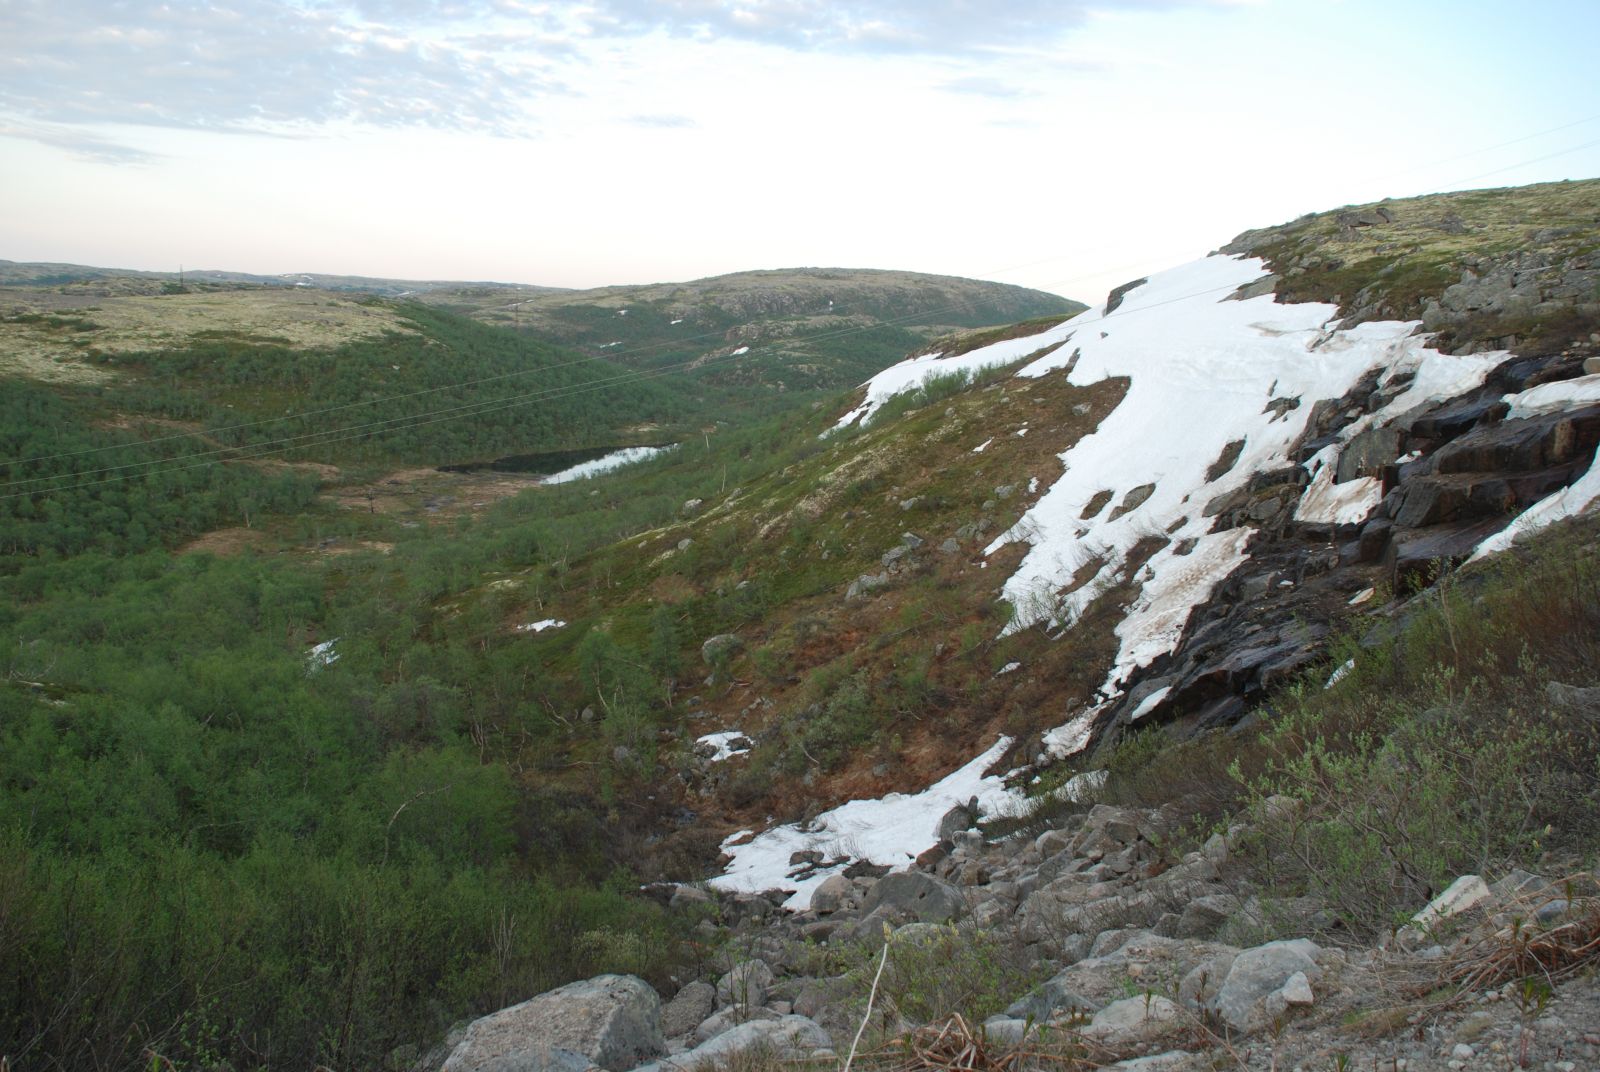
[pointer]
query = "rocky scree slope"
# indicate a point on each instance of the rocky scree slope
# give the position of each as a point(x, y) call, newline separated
point(1089, 946)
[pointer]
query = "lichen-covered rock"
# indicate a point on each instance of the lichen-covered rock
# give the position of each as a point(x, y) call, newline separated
point(612, 1021)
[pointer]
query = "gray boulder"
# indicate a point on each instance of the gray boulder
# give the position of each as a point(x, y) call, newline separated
point(688, 1008)
point(835, 892)
point(959, 818)
point(726, 1020)
point(1256, 975)
point(786, 1038)
point(745, 987)
point(612, 1021)
point(1134, 1021)
point(719, 646)
point(1051, 999)
point(921, 897)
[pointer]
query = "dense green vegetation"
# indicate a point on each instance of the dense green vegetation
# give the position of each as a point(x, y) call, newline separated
point(452, 391)
point(80, 496)
point(216, 849)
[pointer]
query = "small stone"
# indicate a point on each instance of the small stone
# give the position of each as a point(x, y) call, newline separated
point(1296, 990)
point(1463, 1052)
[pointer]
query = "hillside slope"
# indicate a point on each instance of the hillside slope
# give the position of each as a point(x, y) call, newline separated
point(792, 328)
point(286, 809)
point(1152, 570)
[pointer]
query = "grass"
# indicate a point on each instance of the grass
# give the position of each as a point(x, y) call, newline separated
point(1391, 270)
point(1442, 753)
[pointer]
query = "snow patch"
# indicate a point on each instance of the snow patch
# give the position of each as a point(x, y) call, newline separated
point(322, 655)
point(891, 832)
point(540, 626)
point(615, 460)
point(1073, 736)
point(1325, 502)
point(981, 447)
point(741, 350)
point(1149, 703)
point(1553, 397)
point(725, 745)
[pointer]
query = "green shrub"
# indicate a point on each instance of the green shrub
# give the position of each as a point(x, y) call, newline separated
point(938, 971)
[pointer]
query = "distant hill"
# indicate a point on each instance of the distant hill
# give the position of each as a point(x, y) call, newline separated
point(131, 281)
point(786, 328)
point(794, 328)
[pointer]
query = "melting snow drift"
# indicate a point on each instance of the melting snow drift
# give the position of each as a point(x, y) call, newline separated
point(1209, 377)
point(605, 464)
point(892, 831)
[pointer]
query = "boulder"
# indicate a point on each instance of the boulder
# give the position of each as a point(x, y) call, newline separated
point(835, 893)
point(688, 1009)
point(1256, 975)
point(745, 987)
point(1009, 1031)
point(719, 647)
point(1204, 916)
point(918, 896)
point(1134, 1021)
point(959, 818)
point(612, 1021)
point(1199, 987)
point(1049, 1000)
point(786, 1038)
point(866, 584)
point(726, 1020)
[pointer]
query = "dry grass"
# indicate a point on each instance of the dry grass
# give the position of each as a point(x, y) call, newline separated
point(1523, 950)
point(39, 348)
point(958, 1046)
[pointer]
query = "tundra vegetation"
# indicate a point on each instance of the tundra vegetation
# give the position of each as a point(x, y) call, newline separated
point(317, 799)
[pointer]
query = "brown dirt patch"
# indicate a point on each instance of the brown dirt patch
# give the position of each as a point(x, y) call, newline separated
point(430, 495)
point(226, 542)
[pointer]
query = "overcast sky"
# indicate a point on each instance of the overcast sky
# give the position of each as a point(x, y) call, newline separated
point(1060, 144)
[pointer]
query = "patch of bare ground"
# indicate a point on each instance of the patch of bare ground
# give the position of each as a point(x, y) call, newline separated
point(431, 495)
point(224, 543)
point(39, 343)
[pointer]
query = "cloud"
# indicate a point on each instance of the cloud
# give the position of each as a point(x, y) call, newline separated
point(250, 65)
point(993, 88)
point(931, 27)
point(78, 143)
point(666, 122)
point(471, 65)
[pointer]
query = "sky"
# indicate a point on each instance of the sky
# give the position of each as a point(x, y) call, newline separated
point(1059, 144)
